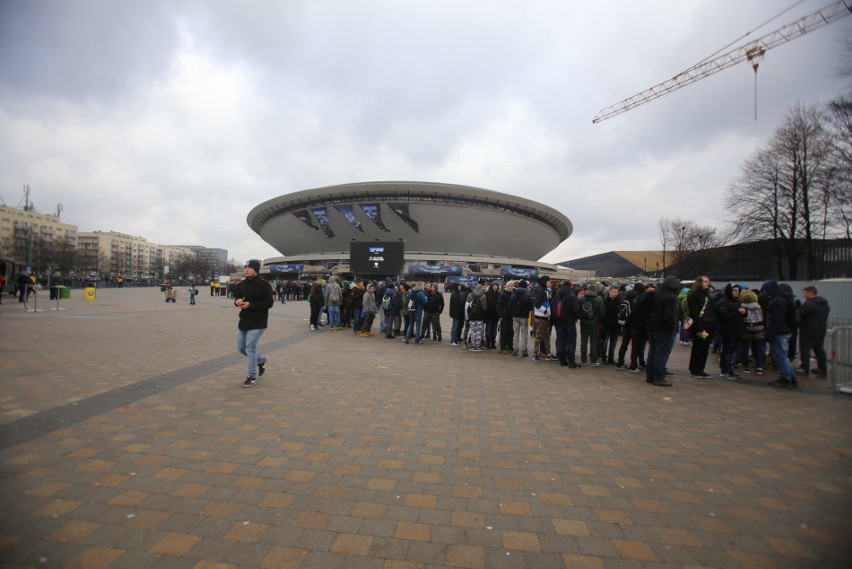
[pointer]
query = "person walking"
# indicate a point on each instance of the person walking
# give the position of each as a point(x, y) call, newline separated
point(254, 299)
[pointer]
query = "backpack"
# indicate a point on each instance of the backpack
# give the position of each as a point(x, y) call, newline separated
point(334, 295)
point(624, 310)
point(475, 310)
point(587, 308)
point(387, 302)
point(754, 319)
point(561, 308)
point(518, 309)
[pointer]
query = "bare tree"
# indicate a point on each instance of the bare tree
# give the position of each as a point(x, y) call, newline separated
point(783, 192)
point(664, 231)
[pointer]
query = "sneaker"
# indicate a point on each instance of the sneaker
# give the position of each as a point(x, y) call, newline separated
point(477, 350)
point(635, 370)
point(573, 365)
point(758, 370)
point(418, 342)
point(249, 382)
point(313, 328)
point(667, 373)
point(596, 363)
point(782, 383)
point(551, 358)
point(261, 368)
point(697, 375)
point(454, 343)
point(536, 359)
point(730, 376)
point(746, 370)
point(661, 382)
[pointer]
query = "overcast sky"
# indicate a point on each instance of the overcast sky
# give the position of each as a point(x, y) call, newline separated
point(171, 120)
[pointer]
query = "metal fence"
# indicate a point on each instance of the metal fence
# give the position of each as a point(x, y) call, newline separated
point(840, 358)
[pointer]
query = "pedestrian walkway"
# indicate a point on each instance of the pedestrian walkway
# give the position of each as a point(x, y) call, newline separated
point(127, 441)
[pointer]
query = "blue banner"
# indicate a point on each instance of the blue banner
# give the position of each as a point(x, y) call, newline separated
point(284, 268)
point(512, 273)
point(440, 270)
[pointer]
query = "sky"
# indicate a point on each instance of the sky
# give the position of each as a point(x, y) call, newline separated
point(171, 120)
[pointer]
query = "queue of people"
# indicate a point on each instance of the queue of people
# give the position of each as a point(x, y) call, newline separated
point(633, 327)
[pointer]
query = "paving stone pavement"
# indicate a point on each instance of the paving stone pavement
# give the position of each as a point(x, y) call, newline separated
point(127, 441)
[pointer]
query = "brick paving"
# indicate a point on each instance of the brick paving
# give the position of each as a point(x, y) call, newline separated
point(127, 442)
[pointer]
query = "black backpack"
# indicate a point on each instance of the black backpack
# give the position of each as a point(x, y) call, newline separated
point(587, 308)
point(475, 310)
point(624, 310)
point(517, 306)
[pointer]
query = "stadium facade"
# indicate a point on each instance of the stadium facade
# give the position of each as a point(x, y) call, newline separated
point(448, 230)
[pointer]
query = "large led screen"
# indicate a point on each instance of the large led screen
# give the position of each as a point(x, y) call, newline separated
point(383, 258)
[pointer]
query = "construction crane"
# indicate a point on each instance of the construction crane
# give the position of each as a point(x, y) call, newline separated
point(752, 52)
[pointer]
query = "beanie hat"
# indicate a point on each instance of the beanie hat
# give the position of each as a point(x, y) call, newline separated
point(254, 264)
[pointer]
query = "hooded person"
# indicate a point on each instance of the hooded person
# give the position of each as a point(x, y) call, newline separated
point(521, 305)
point(630, 299)
point(477, 312)
point(780, 318)
point(662, 330)
point(752, 340)
point(591, 311)
point(730, 319)
point(333, 298)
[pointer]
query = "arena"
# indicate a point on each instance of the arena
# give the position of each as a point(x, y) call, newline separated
point(447, 229)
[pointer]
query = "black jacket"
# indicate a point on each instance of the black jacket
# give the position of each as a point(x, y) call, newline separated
point(664, 307)
point(777, 311)
point(701, 311)
point(814, 315)
point(258, 292)
point(730, 322)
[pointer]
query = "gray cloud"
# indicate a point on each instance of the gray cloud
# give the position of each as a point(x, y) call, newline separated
point(173, 119)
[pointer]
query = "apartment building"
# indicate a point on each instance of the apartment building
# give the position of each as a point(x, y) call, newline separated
point(23, 228)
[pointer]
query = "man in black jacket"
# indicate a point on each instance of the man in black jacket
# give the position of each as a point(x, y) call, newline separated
point(780, 320)
point(564, 315)
point(814, 325)
point(662, 330)
point(254, 299)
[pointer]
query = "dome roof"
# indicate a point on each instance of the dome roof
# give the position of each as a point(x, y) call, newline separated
point(429, 217)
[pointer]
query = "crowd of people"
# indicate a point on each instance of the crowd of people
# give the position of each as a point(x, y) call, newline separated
point(633, 327)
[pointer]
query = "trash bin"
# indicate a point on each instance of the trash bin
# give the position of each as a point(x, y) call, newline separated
point(65, 292)
point(89, 293)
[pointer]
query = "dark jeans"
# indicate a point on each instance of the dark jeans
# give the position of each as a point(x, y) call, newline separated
point(456, 330)
point(315, 312)
point(622, 350)
point(638, 340)
point(588, 341)
point(758, 351)
point(607, 342)
point(566, 341)
point(727, 347)
point(506, 333)
point(659, 349)
point(700, 350)
point(491, 332)
point(808, 343)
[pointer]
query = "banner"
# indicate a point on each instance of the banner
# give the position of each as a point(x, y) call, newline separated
point(401, 209)
point(305, 218)
point(284, 268)
point(439, 270)
point(325, 224)
point(470, 280)
point(374, 213)
point(511, 273)
point(347, 212)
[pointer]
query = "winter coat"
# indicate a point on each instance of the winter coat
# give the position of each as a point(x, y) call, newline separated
point(478, 296)
point(599, 309)
point(258, 293)
point(814, 315)
point(728, 317)
point(700, 309)
point(664, 307)
point(610, 320)
point(777, 311)
point(332, 290)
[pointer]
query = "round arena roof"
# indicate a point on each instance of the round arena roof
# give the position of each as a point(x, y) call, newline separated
point(429, 217)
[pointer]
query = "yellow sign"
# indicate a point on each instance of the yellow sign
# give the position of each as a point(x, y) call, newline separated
point(90, 293)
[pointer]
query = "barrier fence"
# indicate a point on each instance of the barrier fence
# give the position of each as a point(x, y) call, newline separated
point(840, 358)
